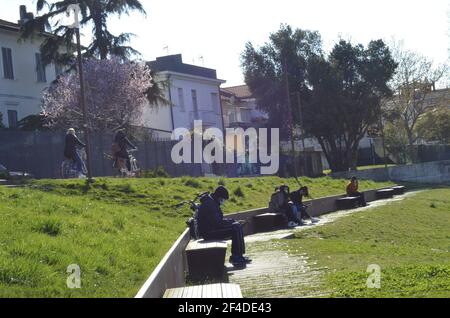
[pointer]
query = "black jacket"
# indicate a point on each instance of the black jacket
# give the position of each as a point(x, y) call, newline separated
point(210, 216)
point(296, 197)
point(70, 147)
point(122, 140)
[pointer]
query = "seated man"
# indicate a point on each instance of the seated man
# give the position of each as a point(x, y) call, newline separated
point(212, 225)
point(299, 207)
point(352, 191)
point(279, 203)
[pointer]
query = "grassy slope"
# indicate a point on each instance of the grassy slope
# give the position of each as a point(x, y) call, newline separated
point(409, 240)
point(116, 231)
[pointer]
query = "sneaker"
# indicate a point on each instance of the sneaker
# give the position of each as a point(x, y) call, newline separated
point(247, 259)
point(314, 220)
point(292, 224)
point(238, 261)
point(300, 223)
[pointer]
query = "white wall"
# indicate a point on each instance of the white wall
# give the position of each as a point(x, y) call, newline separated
point(24, 92)
point(210, 114)
point(160, 118)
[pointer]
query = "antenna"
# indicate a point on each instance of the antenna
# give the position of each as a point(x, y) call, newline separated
point(166, 48)
point(202, 59)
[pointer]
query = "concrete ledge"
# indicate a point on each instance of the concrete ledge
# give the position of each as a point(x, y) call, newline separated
point(170, 272)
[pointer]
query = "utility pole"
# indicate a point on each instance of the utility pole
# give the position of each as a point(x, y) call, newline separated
point(302, 130)
point(380, 123)
point(291, 122)
point(76, 25)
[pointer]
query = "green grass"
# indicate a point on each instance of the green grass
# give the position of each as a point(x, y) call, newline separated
point(409, 240)
point(116, 230)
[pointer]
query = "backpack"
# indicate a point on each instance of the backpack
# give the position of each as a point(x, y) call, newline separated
point(115, 148)
point(276, 201)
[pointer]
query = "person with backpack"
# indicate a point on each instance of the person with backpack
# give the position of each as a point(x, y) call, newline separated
point(352, 191)
point(213, 226)
point(300, 208)
point(70, 149)
point(279, 203)
point(119, 149)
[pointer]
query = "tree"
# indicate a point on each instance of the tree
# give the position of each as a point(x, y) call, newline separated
point(434, 126)
point(115, 95)
point(413, 82)
point(94, 14)
point(266, 70)
point(344, 98)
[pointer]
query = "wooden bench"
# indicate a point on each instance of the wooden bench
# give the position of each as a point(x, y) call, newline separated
point(268, 222)
point(205, 291)
point(346, 203)
point(206, 259)
point(398, 190)
point(385, 193)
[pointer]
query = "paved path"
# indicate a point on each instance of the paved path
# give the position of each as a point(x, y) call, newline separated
point(278, 272)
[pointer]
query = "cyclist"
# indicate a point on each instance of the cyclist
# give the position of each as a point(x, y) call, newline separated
point(70, 149)
point(120, 152)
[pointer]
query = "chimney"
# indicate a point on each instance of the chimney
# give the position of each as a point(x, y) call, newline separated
point(24, 15)
point(23, 12)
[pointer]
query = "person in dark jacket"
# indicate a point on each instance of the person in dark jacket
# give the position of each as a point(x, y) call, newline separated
point(299, 208)
point(123, 142)
point(286, 206)
point(70, 149)
point(213, 226)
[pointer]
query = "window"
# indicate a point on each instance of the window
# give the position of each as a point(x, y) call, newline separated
point(12, 118)
point(40, 69)
point(180, 98)
point(194, 103)
point(215, 103)
point(8, 71)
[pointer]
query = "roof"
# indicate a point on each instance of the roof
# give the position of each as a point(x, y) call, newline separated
point(9, 25)
point(175, 63)
point(240, 91)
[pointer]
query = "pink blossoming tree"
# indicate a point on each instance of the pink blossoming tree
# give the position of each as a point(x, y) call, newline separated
point(116, 94)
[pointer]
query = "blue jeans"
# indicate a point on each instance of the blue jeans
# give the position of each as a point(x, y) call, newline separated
point(79, 162)
point(300, 211)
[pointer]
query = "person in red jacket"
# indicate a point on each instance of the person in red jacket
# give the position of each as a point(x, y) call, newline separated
point(352, 191)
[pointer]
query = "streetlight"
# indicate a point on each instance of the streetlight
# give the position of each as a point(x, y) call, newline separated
point(76, 25)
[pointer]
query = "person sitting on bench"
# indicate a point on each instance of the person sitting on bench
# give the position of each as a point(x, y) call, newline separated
point(299, 208)
point(279, 203)
point(212, 225)
point(352, 191)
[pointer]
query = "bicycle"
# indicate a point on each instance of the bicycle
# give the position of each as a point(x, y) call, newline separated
point(192, 222)
point(69, 167)
point(121, 165)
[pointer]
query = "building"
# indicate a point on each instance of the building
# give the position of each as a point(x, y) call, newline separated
point(23, 77)
point(239, 108)
point(193, 93)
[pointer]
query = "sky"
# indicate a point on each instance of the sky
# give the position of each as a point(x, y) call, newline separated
point(218, 30)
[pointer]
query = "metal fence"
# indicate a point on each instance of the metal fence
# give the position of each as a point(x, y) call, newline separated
point(41, 154)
